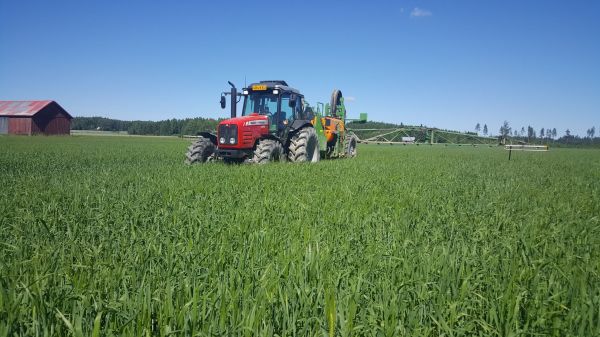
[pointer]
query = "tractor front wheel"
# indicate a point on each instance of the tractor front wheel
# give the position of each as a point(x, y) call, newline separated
point(304, 146)
point(267, 150)
point(201, 151)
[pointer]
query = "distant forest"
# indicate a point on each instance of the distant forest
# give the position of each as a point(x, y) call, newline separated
point(169, 127)
point(178, 127)
point(192, 126)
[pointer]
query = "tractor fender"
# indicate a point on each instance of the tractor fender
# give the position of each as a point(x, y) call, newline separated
point(211, 136)
point(299, 124)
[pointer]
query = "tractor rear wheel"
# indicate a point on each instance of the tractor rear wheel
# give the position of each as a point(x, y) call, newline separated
point(350, 145)
point(267, 150)
point(335, 101)
point(304, 146)
point(201, 151)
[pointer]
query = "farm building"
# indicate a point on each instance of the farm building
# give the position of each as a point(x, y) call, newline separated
point(34, 117)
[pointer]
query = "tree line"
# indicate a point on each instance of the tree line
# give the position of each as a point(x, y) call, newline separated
point(168, 127)
point(192, 126)
point(530, 135)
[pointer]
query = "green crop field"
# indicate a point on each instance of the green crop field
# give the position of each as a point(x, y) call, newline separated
point(113, 236)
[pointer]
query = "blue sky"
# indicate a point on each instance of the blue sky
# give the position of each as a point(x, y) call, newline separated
point(443, 63)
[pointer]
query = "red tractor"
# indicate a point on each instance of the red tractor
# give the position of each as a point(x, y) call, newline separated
point(276, 124)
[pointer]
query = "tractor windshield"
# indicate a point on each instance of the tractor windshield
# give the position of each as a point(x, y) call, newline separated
point(261, 103)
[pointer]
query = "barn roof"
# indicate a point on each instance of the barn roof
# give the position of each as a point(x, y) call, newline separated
point(25, 108)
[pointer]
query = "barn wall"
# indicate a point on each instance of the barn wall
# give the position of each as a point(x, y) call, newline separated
point(51, 120)
point(59, 126)
point(35, 129)
point(3, 125)
point(48, 124)
point(19, 125)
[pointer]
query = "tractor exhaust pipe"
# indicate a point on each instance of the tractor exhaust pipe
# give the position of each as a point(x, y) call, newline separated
point(233, 100)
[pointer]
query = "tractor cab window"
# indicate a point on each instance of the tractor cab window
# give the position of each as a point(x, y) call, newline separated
point(300, 108)
point(287, 112)
point(260, 103)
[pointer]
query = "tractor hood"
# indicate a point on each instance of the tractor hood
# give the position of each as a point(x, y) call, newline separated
point(244, 120)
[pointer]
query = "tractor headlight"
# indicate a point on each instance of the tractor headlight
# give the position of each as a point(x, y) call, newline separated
point(231, 140)
point(222, 140)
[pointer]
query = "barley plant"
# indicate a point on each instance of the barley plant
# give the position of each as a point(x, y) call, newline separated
point(115, 236)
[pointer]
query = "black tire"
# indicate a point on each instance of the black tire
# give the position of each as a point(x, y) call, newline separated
point(350, 145)
point(201, 151)
point(267, 150)
point(335, 101)
point(304, 146)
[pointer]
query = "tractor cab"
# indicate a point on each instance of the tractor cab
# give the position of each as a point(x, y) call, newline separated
point(277, 101)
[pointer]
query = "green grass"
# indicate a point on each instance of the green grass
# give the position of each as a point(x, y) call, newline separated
point(112, 236)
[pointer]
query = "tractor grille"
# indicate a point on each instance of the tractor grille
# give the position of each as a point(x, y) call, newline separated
point(227, 132)
point(247, 137)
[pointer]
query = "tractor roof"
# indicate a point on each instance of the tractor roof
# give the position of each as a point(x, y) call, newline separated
point(280, 82)
point(276, 84)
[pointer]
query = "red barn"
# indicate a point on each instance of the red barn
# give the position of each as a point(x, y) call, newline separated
point(34, 117)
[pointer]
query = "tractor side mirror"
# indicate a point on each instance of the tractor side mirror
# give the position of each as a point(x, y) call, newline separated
point(292, 102)
point(223, 104)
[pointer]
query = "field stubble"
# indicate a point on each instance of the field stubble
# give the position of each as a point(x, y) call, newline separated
point(109, 236)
